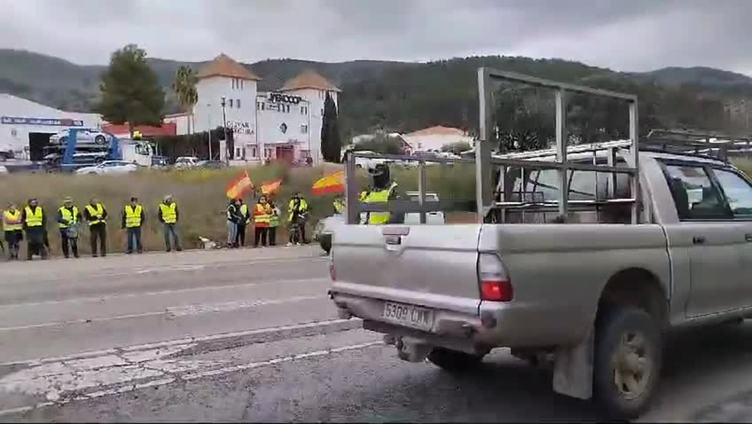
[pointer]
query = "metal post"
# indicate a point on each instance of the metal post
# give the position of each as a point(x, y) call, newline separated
point(422, 190)
point(483, 191)
point(224, 131)
point(561, 152)
point(351, 191)
point(633, 134)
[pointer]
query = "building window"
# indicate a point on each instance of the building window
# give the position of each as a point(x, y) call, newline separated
point(233, 83)
point(304, 129)
point(238, 153)
point(241, 84)
point(254, 151)
point(304, 110)
point(230, 103)
point(237, 103)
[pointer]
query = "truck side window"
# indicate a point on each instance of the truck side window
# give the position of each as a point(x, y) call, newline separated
point(738, 192)
point(694, 194)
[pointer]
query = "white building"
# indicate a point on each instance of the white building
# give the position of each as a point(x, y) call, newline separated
point(283, 124)
point(26, 126)
point(432, 139)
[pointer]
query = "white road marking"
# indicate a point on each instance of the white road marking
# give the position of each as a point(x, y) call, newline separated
point(170, 312)
point(161, 292)
point(36, 382)
point(183, 341)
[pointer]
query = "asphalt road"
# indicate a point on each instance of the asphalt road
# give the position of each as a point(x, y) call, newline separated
point(249, 335)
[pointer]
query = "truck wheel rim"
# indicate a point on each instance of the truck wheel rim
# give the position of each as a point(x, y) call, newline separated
point(632, 366)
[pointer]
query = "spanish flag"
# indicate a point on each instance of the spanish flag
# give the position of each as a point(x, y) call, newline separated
point(239, 186)
point(271, 187)
point(330, 184)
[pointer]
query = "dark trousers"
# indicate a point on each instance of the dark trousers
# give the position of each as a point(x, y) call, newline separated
point(98, 232)
point(66, 241)
point(240, 235)
point(14, 243)
point(35, 239)
point(260, 235)
point(272, 236)
point(134, 237)
point(170, 232)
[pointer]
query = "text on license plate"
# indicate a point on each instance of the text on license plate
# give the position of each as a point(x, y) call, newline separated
point(413, 316)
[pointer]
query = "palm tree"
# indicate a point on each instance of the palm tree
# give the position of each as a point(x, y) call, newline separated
point(185, 88)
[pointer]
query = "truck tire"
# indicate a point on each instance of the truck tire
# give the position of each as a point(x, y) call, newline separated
point(628, 354)
point(326, 243)
point(453, 360)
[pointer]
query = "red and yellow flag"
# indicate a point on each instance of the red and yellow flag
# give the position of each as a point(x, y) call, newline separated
point(271, 187)
point(330, 184)
point(239, 186)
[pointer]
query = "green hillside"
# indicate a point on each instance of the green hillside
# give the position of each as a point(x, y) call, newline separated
point(407, 96)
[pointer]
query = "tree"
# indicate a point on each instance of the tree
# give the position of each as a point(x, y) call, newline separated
point(331, 144)
point(184, 87)
point(381, 143)
point(130, 90)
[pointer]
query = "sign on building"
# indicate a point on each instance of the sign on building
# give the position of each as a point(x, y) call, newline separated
point(17, 120)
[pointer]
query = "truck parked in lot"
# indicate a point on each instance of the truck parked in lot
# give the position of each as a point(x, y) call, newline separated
point(586, 255)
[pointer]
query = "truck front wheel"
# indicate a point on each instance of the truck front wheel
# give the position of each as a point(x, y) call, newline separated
point(453, 360)
point(627, 361)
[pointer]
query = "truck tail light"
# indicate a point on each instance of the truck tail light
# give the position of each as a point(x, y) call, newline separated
point(495, 284)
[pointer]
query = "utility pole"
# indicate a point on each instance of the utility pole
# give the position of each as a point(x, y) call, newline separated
point(208, 126)
point(224, 130)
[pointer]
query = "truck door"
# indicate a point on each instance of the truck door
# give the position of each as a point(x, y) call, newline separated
point(738, 194)
point(714, 241)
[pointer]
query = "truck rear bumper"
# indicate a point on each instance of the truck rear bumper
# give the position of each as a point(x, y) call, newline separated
point(468, 324)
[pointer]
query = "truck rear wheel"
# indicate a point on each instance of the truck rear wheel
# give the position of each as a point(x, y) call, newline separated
point(627, 361)
point(453, 360)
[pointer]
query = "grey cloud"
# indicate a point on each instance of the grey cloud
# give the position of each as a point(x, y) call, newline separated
point(626, 35)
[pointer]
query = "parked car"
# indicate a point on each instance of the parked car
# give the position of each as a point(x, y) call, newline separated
point(109, 167)
point(84, 135)
point(183, 162)
point(211, 164)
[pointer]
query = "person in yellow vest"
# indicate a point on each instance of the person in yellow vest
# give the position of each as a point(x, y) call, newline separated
point(297, 214)
point(382, 190)
point(261, 218)
point(168, 216)
point(68, 219)
point(274, 221)
point(96, 215)
point(243, 220)
point(339, 205)
point(35, 225)
point(13, 229)
point(133, 219)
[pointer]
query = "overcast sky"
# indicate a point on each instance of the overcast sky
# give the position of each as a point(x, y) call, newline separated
point(628, 35)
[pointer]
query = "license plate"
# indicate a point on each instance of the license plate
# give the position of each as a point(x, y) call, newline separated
point(408, 315)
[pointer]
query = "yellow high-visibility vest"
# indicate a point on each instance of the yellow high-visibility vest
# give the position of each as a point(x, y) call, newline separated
point(303, 207)
point(261, 216)
point(380, 196)
point(133, 216)
point(273, 217)
point(34, 218)
point(97, 213)
point(244, 211)
point(12, 220)
point(169, 212)
point(69, 216)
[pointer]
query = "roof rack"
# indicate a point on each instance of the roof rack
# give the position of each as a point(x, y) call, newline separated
point(713, 145)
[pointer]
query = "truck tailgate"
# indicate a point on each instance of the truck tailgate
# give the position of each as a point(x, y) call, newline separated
point(410, 263)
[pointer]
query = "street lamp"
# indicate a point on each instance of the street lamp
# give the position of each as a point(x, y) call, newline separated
point(224, 130)
point(208, 126)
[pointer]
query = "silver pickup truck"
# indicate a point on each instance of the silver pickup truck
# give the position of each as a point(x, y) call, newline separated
point(590, 277)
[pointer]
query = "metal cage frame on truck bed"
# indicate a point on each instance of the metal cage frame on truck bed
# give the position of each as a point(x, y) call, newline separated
point(486, 162)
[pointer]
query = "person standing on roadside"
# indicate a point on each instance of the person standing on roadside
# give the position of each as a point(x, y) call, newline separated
point(168, 216)
point(261, 217)
point(133, 219)
point(35, 225)
point(13, 229)
point(244, 219)
point(96, 215)
point(273, 222)
point(68, 218)
point(233, 217)
point(297, 213)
